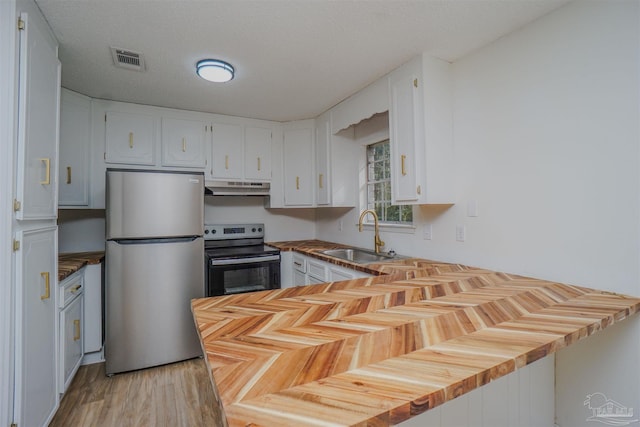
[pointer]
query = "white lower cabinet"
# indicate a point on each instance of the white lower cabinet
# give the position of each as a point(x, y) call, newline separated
point(299, 279)
point(337, 274)
point(299, 263)
point(522, 398)
point(310, 271)
point(71, 327)
point(36, 396)
point(316, 271)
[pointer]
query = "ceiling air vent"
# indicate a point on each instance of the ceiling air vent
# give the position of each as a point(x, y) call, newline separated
point(128, 59)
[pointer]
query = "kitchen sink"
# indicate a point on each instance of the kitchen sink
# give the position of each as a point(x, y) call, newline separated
point(359, 256)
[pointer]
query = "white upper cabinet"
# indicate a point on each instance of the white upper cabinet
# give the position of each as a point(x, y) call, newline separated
point(257, 157)
point(184, 142)
point(421, 133)
point(298, 171)
point(75, 146)
point(323, 142)
point(241, 151)
point(38, 121)
point(130, 138)
point(228, 151)
point(336, 160)
point(406, 131)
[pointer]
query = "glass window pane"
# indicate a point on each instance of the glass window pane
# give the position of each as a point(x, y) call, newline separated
point(379, 186)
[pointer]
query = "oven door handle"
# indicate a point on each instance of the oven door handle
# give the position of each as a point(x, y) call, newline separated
point(244, 260)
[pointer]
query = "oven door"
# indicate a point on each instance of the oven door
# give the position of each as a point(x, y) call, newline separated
point(239, 275)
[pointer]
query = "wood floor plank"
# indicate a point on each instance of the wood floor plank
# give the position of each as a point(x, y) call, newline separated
point(176, 395)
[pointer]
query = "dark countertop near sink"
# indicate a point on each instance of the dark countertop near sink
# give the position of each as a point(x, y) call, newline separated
point(69, 263)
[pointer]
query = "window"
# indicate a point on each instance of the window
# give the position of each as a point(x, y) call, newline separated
point(379, 186)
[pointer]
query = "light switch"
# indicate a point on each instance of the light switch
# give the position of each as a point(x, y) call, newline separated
point(427, 232)
point(460, 233)
point(472, 208)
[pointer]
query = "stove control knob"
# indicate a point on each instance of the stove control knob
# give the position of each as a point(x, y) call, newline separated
point(206, 231)
point(253, 230)
point(260, 229)
point(214, 231)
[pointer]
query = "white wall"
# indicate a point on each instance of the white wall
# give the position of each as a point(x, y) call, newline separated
point(84, 230)
point(280, 224)
point(547, 140)
point(546, 133)
point(81, 230)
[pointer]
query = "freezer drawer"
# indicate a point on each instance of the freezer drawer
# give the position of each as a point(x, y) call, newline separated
point(149, 290)
point(145, 204)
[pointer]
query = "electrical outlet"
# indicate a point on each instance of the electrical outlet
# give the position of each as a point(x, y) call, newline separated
point(340, 224)
point(427, 232)
point(461, 233)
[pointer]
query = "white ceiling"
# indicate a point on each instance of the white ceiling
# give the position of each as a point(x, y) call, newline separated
point(294, 58)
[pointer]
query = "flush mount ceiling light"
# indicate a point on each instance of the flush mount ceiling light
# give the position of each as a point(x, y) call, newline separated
point(215, 70)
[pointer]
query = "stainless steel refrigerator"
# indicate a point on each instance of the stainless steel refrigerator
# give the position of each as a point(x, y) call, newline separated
point(154, 267)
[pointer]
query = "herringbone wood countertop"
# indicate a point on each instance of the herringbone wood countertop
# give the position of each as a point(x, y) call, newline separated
point(69, 263)
point(380, 350)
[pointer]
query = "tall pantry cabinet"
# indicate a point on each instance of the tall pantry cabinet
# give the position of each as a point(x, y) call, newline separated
point(35, 204)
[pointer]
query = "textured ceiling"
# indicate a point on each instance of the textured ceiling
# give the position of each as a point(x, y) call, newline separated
point(294, 58)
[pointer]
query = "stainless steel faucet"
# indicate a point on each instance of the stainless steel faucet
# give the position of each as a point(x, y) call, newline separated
point(377, 242)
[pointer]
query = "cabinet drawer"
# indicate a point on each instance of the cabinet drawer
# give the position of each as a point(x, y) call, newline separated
point(317, 269)
point(299, 264)
point(71, 287)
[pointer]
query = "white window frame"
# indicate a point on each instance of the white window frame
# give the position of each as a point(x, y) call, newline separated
point(370, 195)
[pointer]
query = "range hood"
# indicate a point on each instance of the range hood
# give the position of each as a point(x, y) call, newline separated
point(236, 188)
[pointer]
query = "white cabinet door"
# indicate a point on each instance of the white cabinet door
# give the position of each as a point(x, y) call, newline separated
point(130, 138)
point(257, 156)
point(71, 341)
point(323, 143)
point(228, 159)
point(184, 143)
point(337, 274)
point(317, 269)
point(405, 130)
point(38, 122)
point(299, 278)
point(36, 320)
point(75, 140)
point(298, 167)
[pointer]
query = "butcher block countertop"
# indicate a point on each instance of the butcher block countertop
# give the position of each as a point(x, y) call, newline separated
point(69, 263)
point(377, 351)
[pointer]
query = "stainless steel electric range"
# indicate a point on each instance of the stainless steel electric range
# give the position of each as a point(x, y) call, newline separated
point(238, 261)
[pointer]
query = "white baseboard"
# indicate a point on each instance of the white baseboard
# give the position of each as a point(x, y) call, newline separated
point(94, 357)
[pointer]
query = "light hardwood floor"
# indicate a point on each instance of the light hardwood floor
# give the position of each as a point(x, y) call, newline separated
point(178, 394)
